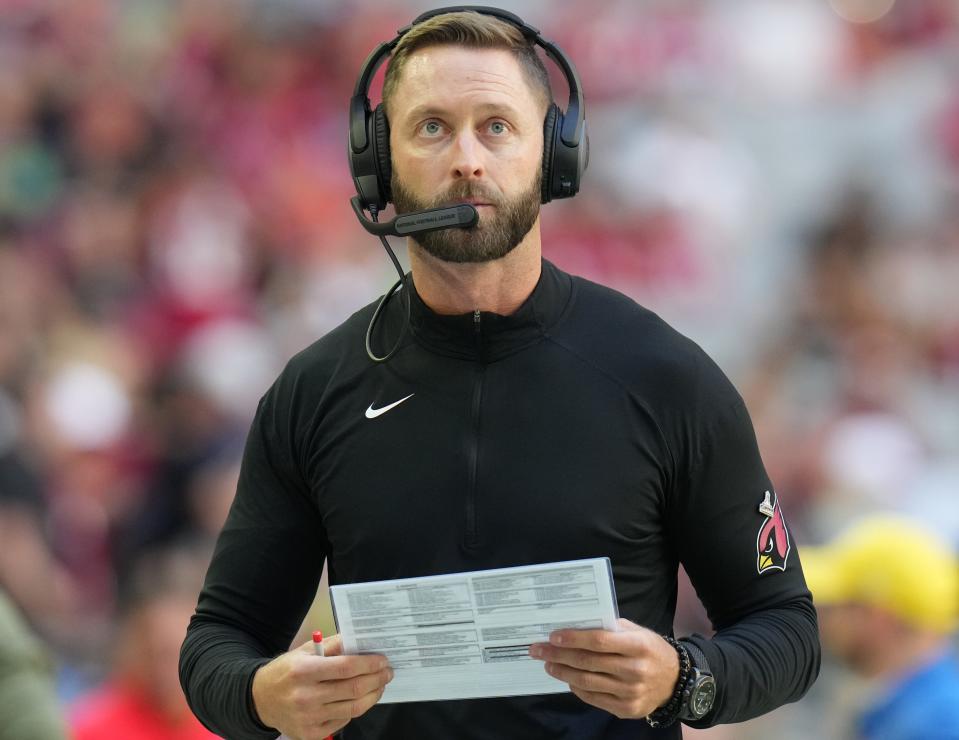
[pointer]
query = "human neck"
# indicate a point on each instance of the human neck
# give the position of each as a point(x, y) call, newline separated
point(500, 286)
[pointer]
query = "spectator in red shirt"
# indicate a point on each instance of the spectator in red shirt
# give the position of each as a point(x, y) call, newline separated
point(142, 699)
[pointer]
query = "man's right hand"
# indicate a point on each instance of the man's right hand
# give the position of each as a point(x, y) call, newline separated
point(308, 697)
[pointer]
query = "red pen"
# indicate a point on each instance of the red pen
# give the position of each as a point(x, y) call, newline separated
point(318, 649)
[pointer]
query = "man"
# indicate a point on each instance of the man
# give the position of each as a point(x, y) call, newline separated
point(527, 416)
point(887, 591)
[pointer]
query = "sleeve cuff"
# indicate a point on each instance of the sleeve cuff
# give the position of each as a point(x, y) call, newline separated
point(251, 706)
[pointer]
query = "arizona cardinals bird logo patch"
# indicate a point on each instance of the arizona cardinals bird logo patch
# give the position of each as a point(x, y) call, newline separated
point(772, 542)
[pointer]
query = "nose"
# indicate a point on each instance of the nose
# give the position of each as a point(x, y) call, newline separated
point(467, 157)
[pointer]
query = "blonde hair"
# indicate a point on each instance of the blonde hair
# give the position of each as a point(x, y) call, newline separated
point(473, 30)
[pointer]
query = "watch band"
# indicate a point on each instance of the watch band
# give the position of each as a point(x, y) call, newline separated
point(697, 656)
point(700, 691)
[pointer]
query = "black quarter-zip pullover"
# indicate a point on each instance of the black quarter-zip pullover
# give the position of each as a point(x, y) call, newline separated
point(579, 426)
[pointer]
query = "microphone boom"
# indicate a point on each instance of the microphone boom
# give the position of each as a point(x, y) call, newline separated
point(462, 216)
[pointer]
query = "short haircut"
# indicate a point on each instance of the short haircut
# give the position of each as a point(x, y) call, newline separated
point(473, 30)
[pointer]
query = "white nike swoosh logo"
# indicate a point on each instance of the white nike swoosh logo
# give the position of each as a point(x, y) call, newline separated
point(372, 413)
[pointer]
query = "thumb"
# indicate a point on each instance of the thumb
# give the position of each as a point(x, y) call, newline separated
point(624, 625)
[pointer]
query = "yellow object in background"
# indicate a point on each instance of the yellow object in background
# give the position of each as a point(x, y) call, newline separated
point(890, 562)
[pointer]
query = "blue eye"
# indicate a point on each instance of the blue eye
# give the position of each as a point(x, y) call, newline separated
point(498, 127)
point(431, 128)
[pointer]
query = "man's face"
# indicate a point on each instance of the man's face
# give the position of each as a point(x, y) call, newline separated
point(856, 634)
point(466, 127)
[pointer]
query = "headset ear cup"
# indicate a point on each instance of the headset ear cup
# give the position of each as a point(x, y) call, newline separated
point(381, 142)
point(550, 124)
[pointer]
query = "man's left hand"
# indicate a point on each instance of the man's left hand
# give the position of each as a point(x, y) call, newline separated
point(629, 673)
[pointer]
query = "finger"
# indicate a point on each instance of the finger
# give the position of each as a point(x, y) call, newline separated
point(625, 642)
point(351, 708)
point(333, 645)
point(354, 688)
point(622, 666)
point(599, 683)
point(341, 667)
point(612, 704)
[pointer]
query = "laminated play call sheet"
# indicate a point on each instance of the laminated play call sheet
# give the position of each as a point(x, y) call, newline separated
point(467, 635)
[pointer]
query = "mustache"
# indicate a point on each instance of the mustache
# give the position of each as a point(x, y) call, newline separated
point(459, 193)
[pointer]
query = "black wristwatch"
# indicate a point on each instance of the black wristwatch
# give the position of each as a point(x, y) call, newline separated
point(700, 692)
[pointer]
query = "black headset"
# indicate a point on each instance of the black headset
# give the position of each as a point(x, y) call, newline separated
point(565, 142)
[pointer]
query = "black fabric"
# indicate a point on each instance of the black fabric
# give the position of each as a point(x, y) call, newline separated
point(579, 426)
point(549, 138)
point(384, 162)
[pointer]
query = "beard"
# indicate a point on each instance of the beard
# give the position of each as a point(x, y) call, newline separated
point(493, 237)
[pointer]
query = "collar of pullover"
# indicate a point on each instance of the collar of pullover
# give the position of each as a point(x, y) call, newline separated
point(488, 336)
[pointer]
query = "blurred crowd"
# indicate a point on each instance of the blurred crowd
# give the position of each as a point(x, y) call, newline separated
point(778, 182)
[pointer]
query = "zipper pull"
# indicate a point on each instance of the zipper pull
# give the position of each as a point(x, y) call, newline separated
point(477, 332)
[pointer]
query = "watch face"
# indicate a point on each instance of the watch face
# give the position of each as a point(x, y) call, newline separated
point(702, 696)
